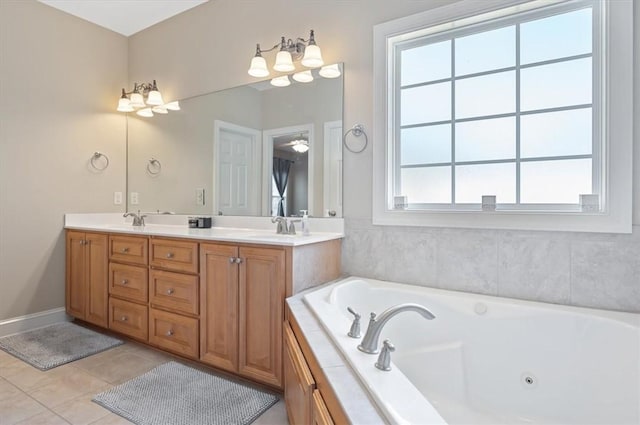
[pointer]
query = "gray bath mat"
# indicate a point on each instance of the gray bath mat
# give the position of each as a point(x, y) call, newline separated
point(175, 394)
point(55, 345)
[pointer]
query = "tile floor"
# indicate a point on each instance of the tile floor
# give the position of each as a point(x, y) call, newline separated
point(62, 395)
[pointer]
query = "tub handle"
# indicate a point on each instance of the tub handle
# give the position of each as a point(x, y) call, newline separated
point(384, 359)
point(354, 332)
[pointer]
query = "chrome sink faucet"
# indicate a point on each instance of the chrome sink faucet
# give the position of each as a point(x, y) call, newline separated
point(369, 343)
point(282, 228)
point(138, 220)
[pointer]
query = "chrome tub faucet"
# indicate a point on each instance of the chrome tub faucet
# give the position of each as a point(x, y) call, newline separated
point(369, 343)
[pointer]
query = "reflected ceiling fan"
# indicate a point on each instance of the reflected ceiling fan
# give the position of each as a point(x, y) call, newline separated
point(298, 144)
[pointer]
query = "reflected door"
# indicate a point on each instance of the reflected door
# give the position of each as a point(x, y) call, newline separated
point(332, 169)
point(238, 169)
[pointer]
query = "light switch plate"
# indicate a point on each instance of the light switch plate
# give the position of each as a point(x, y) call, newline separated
point(134, 198)
point(117, 198)
point(199, 197)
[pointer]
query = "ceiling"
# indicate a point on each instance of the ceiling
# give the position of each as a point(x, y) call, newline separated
point(126, 17)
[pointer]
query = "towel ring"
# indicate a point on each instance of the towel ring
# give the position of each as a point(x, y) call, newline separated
point(97, 155)
point(154, 167)
point(357, 130)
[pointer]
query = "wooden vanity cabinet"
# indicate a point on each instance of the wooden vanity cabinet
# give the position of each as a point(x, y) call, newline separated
point(86, 276)
point(319, 413)
point(242, 305)
point(298, 381)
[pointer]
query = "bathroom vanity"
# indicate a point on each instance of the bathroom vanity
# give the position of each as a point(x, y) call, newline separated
point(210, 295)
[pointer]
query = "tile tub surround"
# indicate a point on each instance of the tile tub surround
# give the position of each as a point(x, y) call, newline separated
point(579, 269)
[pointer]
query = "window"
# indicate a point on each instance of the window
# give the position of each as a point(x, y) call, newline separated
point(509, 102)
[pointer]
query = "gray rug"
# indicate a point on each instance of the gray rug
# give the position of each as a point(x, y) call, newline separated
point(175, 394)
point(55, 345)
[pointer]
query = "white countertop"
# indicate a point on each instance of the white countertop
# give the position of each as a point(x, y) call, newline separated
point(115, 223)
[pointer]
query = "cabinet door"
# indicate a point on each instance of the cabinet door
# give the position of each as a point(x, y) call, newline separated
point(96, 278)
point(75, 295)
point(219, 306)
point(261, 304)
point(298, 381)
point(320, 413)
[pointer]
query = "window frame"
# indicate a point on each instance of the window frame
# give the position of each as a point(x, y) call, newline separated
point(616, 65)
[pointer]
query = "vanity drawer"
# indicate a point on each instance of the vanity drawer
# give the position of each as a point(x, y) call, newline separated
point(181, 256)
point(128, 281)
point(173, 332)
point(128, 318)
point(129, 249)
point(174, 291)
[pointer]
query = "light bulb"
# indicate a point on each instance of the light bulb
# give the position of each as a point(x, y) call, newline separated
point(146, 112)
point(303, 77)
point(330, 71)
point(312, 56)
point(258, 67)
point(137, 101)
point(282, 81)
point(284, 63)
point(300, 146)
point(172, 106)
point(124, 105)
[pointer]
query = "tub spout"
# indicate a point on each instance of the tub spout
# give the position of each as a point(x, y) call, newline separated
point(369, 343)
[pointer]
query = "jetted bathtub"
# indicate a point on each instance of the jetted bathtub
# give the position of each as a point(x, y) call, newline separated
point(489, 360)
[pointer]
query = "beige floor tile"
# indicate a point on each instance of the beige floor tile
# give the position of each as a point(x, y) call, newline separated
point(149, 353)
point(8, 390)
point(112, 419)
point(45, 418)
point(27, 377)
point(122, 367)
point(90, 362)
point(81, 410)
point(72, 384)
point(18, 408)
point(276, 415)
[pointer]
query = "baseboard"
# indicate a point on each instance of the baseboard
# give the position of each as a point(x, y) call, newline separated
point(32, 321)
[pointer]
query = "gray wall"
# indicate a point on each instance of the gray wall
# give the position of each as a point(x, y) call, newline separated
point(568, 268)
point(59, 79)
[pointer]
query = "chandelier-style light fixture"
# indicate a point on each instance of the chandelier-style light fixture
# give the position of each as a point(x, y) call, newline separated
point(145, 99)
point(290, 51)
point(300, 145)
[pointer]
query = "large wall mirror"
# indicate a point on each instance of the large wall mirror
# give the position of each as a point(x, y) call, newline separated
point(254, 150)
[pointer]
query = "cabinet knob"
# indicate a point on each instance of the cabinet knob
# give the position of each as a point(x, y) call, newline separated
point(238, 260)
point(170, 291)
point(170, 332)
point(125, 281)
point(169, 254)
point(123, 318)
point(125, 250)
point(232, 260)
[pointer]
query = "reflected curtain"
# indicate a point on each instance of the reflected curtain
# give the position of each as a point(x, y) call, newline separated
point(281, 168)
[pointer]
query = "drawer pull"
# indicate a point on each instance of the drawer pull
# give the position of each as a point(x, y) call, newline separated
point(170, 332)
point(124, 319)
point(169, 254)
point(170, 291)
point(232, 260)
point(125, 250)
point(125, 281)
point(238, 260)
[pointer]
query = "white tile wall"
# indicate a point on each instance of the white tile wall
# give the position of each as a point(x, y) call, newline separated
point(581, 269)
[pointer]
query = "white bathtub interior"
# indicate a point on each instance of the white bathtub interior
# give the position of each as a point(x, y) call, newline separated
point(489, 360)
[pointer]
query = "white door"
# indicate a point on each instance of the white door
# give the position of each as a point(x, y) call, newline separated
point(237, 169)
point(332, 169)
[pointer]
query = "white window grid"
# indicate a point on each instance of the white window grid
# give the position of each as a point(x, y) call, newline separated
point(516, 20)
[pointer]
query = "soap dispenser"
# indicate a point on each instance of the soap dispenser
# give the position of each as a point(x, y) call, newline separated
point(305, 223)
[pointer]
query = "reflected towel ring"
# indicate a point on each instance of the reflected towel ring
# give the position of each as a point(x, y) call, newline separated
point(154, 167)
point(357, 130)
point(97, 155)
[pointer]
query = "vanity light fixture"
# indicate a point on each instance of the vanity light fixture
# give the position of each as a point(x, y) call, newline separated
point(290, 50)
point(303, 77)
point(330, 71)
point(135, 101)
point(282, 81)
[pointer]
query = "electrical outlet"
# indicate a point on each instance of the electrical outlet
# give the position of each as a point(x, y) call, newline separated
point(134, 198)
point(117, 198)
point(199, 197)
